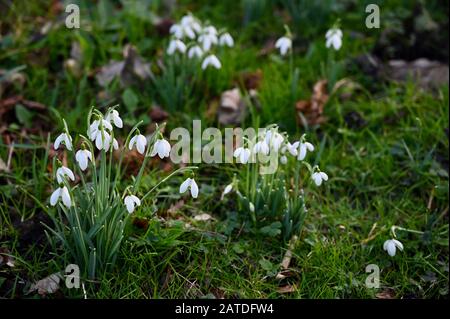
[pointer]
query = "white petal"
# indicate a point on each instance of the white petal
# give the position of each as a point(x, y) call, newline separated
point(141, 143)
point(68, 142)
point(283, 159)
point(324, 176)
point(228, 189)
point(66, 197)
point(237, 152)
point(194, 189)
point(302, 153)
point(184, 186)
point(115, 144)
point(67, 171)
point(136, 200)
point(391, 248)
point(55, 196)
point(309, 146)
point(58, 141)
point(129, 203)
point(98, 141)
point(132, 142)
point(317, 179)
point(398, 244)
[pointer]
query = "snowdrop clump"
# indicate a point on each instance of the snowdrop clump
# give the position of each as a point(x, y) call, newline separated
point(274, 202)
point(92, 215)
point(199, 41)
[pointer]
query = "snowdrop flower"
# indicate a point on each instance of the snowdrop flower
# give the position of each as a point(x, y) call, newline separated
point(131, 202)
point(227, 190)
point(293, 148)
point(140, 142)
point(176, 45)
point(62, 172)
point(162, 148)
point(65, 139)
point(283, 159)
point(82, 157)
point(177, 31)
point(303, 148)
point(391, 246)
point(207, 40)
point(226, 39)
point(189, 21)
point(284, 44)
point(62, 192)
point(274, 139)
point(115, 144)
point(95, 129)
point(102, 140)
point(318, 177)
point(211, 60)
point(195, 51)
point(334, 38)
point(252, 207)
point(189, 183)
point(114, 117)
point(243, 154)
point(261, 147)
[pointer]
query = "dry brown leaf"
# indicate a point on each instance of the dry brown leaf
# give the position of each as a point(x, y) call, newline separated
point(157, 114)
point(5, 255)
point(287, 258)
point(48, 285)
point(252, 80)
point(232, 107)
point(202, 217)
point(131, 70)
point(311, 111)
point(386, 294)
point(286, 289)
point(175, 207)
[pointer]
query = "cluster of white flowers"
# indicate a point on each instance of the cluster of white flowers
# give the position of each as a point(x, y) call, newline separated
point(198, 40)
point(100, 132)
point(274, 141)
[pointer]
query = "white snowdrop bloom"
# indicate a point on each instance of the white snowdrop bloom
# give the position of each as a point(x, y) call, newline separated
point(131, 202)
point(114, 117)
point(211, 60)
point(189, 183)
point(303, 148)
point(82, 157)
point(177, 31)
point(261, 147)
point(210, 30)
point(62, 172)
point(102, 140)
point(95, 128)
point(391, 246)
point(293, 148)
point(140, 142)
point(334, 38)
point(207, 40)
point(318, 177)
point(226, 190)
point(176, 45)
point(162, 148)
point(283, 159)
point(115, 144)
point(284, 44)
point(63, 193)
point(195, 51)
point(226, 39)
point(243, 154)
point(65, 139)
point(274, 139)
point(252, 207)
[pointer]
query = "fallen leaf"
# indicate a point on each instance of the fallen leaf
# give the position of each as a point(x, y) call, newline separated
point(385, 294)
point(311, 111)
point(157, 114)
point(131, 70)
point(287, 258)
point(251, 80)
point(232, 108)
point(5, 255)
point(48, 285)
point(286, 289)
point(203, 217)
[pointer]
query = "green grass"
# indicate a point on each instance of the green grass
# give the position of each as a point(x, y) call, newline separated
point(389, 171)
